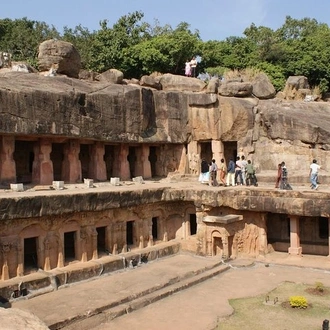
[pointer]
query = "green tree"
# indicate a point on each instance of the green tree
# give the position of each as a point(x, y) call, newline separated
point(21, 38)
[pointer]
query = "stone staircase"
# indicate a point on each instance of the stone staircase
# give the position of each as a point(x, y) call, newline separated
point(88, 304)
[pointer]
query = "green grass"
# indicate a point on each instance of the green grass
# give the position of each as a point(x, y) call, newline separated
point(257, 314)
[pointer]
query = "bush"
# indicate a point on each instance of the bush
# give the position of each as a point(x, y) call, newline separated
point(319, 286)
point(298, 302)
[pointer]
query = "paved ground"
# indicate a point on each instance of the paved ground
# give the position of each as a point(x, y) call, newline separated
point(198, 307)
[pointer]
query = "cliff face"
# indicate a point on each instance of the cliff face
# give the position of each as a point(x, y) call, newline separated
point(268, 130)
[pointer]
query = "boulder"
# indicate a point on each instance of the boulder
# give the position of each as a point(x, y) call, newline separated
point(171, 82)
point(87, 75)
point(239, 89)
point(262, 87)
point(62, 53)
point(297, 82)
point(213, 86)
point(149, 81)
point(16, 319)
point(113, 76)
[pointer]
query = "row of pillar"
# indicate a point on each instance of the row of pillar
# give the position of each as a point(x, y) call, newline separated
point(42, 167)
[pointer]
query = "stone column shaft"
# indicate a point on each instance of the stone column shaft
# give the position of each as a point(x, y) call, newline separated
point(97, 167)
point(295, 248)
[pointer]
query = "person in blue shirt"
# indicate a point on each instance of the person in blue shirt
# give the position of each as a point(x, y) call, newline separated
point(231, 173)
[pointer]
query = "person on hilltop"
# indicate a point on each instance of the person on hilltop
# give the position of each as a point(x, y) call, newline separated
point(193, 65)
point(187, 70)
point(313, 174)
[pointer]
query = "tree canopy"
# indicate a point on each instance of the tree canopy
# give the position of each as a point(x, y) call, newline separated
point(298, 47)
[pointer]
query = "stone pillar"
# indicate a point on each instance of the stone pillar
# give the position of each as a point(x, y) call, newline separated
point(94, 244)
point(121, 164)
point(217, 150)
point(193, 158)
point(47, 256)
point(83, 240)
point(71, 165)
point(146, 166)
point(97, 166)
point(20, 259)
point(225, 244)
point(295, 248)
point(329, 236)
point(60, 246)
point(5, 249)
point(42, 169)
point(7, 163)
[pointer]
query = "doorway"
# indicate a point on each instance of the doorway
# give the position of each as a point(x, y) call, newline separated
point(30, 254)
point(129, 233)
point(69, 246)
point(101, 241)
point(230, 150)
point(193, 224)
point(206, 151)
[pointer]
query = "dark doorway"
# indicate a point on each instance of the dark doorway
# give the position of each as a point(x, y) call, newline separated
point(84, 157)
point(153, 160)
point(131, 159)
point(109, 158)
point(101, 241)
point(129, 232)
point(24, 157)
point(155, 228)
point(206, 151)
point(57, 158)
point(193, 224)
point(69, 246)
point(30, 254)
point(323, 227)
point(230, 150)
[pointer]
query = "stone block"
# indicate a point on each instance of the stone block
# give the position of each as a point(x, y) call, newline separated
point(89, 183)
point(17, 187)
point(58, 185)
point(138, 179)
point(115, 181)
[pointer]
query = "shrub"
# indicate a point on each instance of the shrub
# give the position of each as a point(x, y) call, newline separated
point(298, 302)
point(319, 286)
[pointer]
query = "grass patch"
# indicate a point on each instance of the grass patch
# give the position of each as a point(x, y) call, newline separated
point(273, 311)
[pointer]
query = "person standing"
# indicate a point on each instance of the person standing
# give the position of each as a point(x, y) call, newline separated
point(204, 175)
point(243, 169)
point(284, 178)
point(213, 173)
point(238, 171)
point(313, 174)
point(250, 174)
point(223, 171)
point(279, 175)
point(187, 70)
point(193, 65)
point(231, 173)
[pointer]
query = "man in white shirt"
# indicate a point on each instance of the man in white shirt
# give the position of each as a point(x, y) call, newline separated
point(193, 65)
point(313, 174)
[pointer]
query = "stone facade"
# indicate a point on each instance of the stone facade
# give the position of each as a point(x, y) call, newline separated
point(63, 129)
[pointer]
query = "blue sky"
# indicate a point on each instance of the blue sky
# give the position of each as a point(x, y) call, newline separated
point(215, 19)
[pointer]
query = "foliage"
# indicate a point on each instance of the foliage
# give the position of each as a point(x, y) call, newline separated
point(298, 302)
point(319, 286)
point(298, 47)
point(21, 38)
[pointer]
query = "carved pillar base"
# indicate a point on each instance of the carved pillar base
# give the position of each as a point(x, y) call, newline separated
point(295, 251)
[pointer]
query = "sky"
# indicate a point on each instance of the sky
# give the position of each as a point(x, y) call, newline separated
point(214, 19)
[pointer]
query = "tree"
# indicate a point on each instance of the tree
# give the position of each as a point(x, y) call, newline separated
point(21, 38)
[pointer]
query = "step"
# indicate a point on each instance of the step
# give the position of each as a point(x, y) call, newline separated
point(136, 302)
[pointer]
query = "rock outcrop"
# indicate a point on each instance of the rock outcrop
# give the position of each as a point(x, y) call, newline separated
point(62, 53)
